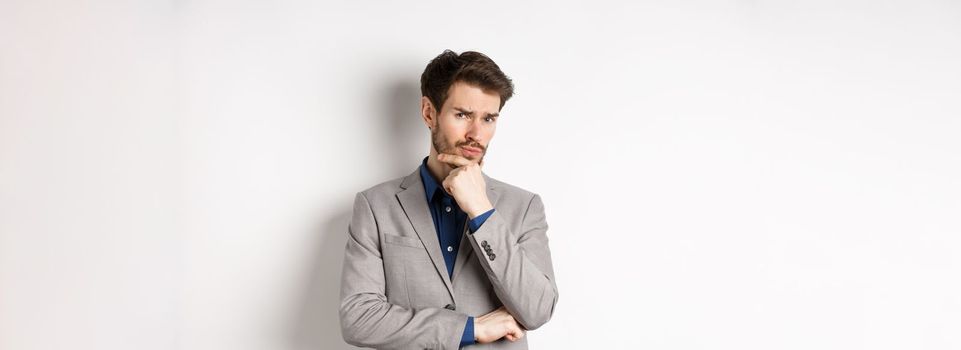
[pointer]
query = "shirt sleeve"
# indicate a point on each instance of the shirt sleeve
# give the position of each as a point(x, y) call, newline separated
point(475, 223)
point(468, 337)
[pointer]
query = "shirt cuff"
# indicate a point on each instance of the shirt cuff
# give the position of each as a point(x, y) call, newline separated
point(475, 223)
point(468, 337)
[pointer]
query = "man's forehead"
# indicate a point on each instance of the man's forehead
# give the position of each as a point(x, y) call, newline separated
point(472, 98)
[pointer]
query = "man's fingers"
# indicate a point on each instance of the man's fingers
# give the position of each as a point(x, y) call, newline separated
point(515, 333)
point(514, 330)
point(446, 185)
point(453, 159)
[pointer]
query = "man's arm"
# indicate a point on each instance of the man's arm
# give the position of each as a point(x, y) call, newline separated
point(366, 318)
point(519, 265)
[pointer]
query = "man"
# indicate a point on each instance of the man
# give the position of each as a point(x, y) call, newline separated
point(448, 257)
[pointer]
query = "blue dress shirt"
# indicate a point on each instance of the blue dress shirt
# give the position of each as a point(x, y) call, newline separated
point(449, 222)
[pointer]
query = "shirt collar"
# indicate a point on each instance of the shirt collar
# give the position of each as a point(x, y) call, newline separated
point(430, 185)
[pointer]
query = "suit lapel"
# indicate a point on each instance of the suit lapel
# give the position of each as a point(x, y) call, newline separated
point(465, 251)
point(413, 199)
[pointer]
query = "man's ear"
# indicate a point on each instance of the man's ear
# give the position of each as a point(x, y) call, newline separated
point(427, 111)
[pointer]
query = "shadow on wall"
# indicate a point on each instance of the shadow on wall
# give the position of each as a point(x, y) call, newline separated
point(318, 323)
point(405, 137)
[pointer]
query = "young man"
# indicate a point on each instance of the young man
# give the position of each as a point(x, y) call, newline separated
point(448, 257)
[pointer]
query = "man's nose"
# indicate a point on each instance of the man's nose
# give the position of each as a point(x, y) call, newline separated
point(473, 132)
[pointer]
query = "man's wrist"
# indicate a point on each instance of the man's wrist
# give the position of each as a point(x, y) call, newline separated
point(475, 213)
point(478, 330)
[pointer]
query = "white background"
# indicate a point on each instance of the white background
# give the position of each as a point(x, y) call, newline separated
point(717, 175)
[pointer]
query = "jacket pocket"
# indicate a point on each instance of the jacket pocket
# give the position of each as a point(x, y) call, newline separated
point(401, 240)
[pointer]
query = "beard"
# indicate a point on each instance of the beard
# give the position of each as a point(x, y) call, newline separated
point(443, 145)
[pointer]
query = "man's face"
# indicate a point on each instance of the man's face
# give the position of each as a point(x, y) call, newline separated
point(466, 122)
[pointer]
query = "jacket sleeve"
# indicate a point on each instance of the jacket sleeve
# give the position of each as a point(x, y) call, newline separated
point(518, 264)
point(367, 319)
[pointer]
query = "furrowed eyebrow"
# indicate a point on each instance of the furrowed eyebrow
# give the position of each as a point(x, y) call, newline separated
point(470, 112)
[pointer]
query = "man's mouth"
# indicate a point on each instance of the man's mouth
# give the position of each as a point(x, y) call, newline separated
point(471, 151)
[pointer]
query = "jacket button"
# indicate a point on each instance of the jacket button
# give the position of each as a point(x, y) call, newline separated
point(492, 256)
point(484, 244)
point(450, 307)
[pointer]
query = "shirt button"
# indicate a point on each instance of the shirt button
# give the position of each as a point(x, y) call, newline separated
point(450, 248)
point(447, 209)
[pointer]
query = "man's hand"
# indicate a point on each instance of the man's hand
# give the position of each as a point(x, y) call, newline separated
point(495, 325)
point(466, 184)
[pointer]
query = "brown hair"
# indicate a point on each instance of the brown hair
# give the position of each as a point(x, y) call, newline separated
point(470, 67)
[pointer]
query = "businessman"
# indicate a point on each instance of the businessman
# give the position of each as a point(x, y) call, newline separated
point(447, 257)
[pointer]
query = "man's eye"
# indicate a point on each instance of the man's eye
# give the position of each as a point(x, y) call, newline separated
point(461, 115)
point(489, 119)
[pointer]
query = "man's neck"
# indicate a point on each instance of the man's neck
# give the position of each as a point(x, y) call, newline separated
point(437, 169)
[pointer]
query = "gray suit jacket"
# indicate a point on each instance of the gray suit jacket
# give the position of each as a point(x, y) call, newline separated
point(395, 290)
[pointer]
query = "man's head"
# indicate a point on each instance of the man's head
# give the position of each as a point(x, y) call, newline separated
point(462, 98)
